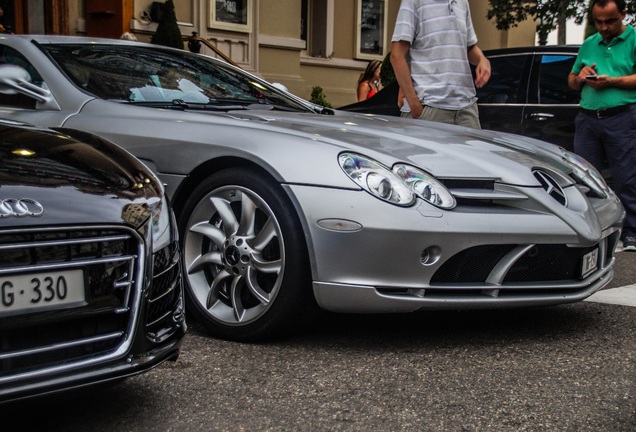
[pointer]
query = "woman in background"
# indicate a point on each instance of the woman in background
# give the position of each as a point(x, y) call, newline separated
point(369, 82)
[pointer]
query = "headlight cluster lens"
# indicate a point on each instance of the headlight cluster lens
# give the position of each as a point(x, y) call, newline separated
point(161, 224)
point(584, 171)
point(399, 186)
point(425, 186)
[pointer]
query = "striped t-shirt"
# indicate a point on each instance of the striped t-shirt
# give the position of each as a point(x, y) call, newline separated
point(440, 32)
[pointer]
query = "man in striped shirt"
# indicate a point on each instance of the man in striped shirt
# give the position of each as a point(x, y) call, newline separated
point(432, 48)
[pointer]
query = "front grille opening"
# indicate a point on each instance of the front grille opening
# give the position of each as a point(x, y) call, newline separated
point(541, 263)
point(482, 184)
point(109, 259)
point(472, 265)
point(548, 263)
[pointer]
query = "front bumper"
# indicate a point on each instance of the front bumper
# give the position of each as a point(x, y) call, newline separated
point(393, 259)
point(132, 320)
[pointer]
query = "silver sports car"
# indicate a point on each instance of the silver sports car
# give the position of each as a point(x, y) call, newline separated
point(285, 208)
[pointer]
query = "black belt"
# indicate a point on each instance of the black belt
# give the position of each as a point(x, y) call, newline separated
point(608, 112)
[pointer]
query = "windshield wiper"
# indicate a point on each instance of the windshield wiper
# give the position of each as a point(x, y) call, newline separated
point(182, 105)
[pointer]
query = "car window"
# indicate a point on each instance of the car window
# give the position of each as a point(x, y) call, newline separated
point(142, 74)
point(11, 56)
point(553, 80)
point(505, 84)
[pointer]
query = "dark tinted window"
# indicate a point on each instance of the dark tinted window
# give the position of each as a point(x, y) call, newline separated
point(505, 82)
point(553, 80)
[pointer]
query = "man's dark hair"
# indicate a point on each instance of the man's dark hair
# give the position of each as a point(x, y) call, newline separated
point(620, 4)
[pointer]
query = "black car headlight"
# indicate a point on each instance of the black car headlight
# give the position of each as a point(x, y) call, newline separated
point(162, 224)
point(399, 186)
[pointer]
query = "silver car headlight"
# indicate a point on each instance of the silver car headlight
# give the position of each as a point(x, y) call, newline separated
point(585, 172)
point(425, 186)
point(376, 179)
point(161, 224)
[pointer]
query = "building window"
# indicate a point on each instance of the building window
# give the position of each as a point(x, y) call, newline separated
point(230, 15)
point(371, 29)
point(316, 27)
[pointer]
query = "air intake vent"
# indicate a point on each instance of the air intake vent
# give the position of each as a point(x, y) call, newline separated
point(551, 186)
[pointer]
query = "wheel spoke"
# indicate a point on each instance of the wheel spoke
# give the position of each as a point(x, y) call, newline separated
point(215, 235)
point(265, 235)
point(213, 294)
point(222, 206)
point(205, 260)
point(237, 303)
point(248, 216)
point(273, 266)
point(255, 289)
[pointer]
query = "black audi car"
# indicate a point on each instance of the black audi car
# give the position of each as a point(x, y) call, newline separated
point(90, 282)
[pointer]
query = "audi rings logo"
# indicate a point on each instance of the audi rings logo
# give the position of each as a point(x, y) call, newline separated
point(20, 208)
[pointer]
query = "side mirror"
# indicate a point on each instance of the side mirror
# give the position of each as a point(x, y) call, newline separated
point(16, 80)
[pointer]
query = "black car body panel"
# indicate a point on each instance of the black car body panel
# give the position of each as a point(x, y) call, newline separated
point(89, 264)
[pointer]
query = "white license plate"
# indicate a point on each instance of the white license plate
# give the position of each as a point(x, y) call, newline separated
point(53, 289)
point(590, 263)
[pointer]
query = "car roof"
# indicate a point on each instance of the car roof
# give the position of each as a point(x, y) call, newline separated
point(534, 49)
point(45, 39)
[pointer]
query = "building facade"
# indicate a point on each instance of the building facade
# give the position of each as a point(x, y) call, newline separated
point(298, 43)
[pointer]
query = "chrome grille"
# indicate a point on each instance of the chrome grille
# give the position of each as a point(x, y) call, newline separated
point(110, 260)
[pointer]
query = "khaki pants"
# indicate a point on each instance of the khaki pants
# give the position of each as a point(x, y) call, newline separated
point(464, 117)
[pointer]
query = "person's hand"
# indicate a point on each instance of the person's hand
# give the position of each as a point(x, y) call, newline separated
point(482, 72)
point(585, 72)
point(416, 109)
point(599, 82)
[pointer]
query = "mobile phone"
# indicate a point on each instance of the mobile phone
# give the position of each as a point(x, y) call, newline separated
point(591, 77)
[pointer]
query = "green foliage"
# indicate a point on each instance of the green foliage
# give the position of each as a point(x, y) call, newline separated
point(168, 33)
point(387, 76)
point(509, 13)
point(318, 97)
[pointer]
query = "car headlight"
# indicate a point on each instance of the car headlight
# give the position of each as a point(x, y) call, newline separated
point(376, 179)
point(161, 224)
point(425, 186)
point(585, 172)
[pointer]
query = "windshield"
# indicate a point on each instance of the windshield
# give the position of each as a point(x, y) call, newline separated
point(141, 74)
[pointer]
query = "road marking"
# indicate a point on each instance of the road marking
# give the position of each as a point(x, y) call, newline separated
point(625, 296)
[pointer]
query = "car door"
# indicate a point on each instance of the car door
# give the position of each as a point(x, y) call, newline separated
point(502, 101)
point(552, 105)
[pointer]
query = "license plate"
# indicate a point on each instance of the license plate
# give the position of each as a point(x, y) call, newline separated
point(590, 263)
point(33, 291)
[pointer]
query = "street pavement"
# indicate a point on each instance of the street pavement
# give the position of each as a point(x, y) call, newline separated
point(564, 368)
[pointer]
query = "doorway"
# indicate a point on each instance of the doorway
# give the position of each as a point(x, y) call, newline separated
point(35, 16)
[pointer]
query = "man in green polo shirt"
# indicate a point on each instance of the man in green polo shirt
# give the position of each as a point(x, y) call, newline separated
point(605, 73)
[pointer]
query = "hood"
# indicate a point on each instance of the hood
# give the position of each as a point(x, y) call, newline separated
point(68, 181)
point(445, 151)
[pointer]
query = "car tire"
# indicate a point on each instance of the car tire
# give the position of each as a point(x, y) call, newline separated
point(245, 257)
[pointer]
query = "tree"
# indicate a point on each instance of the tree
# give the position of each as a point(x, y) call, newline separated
point(319, 98)
point(549, 14)
point(168, 32)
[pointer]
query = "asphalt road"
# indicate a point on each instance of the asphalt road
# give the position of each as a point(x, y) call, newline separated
point(564, 368)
